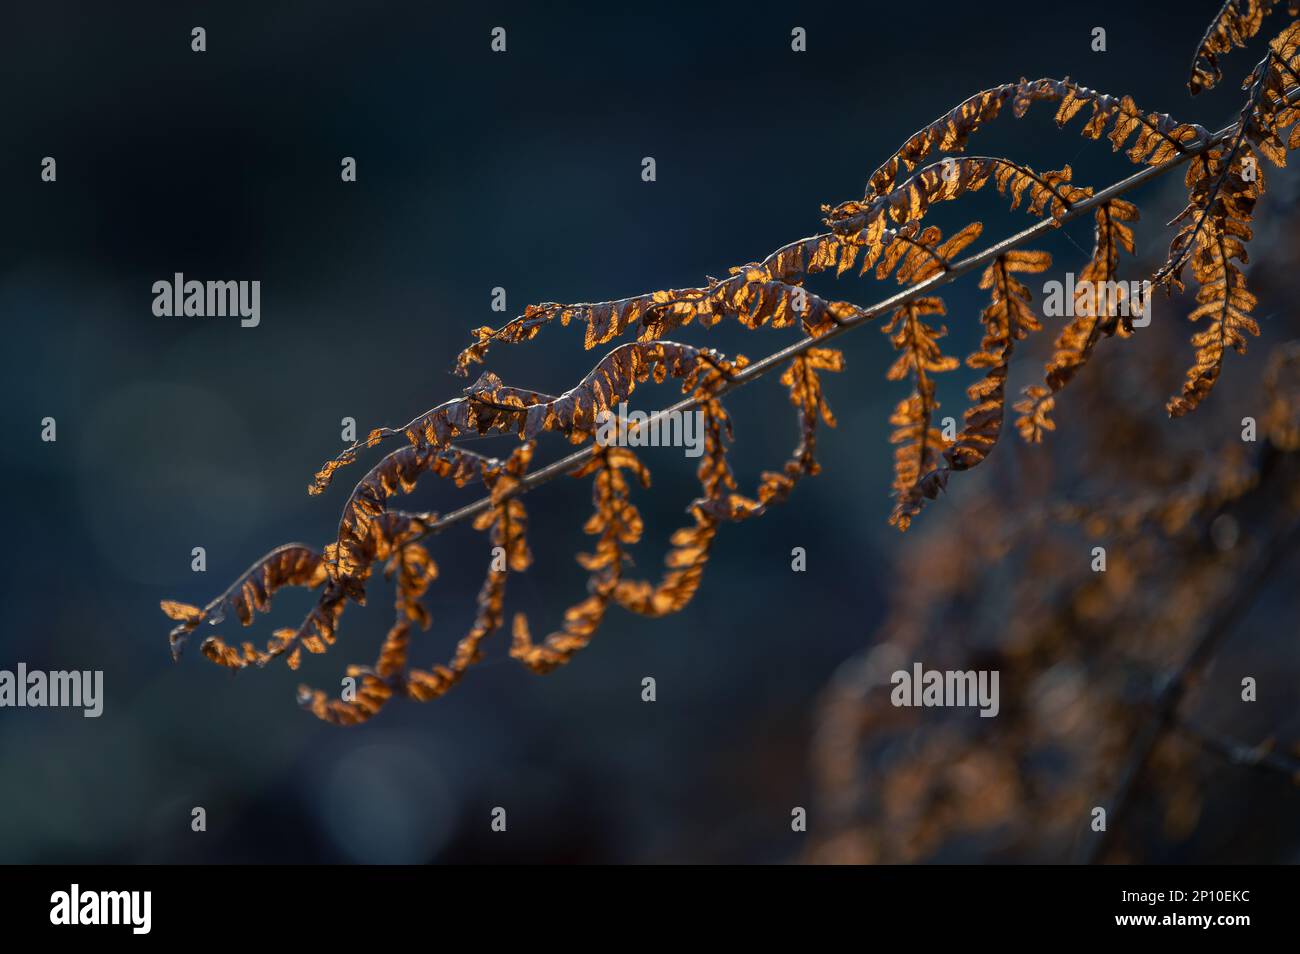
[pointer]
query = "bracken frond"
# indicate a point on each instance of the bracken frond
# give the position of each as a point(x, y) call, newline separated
point(293, 564)
point(1101, 310)
point(806, 395)
point(1223, 186)
point(490, 406)
point(767, 293)
point(691, 546)
point(618, 525)
point(870, 224)
point(1235, 23)
point(1007, 319)
point(506, 523)
point(770, 292)
point(1159, 136)
point(920, 444)
point(1278, 76)
point(885, 233)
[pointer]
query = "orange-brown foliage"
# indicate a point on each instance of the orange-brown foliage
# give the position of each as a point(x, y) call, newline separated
point(882, 231)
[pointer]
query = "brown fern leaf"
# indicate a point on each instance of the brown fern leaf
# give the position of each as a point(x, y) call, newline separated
point(435, 428)
point(919, 252)
point(949, 133)
point(618, 524)
point(188, 618)
point(806, 395)
point(371, 694)
point(1159, 136)
point(1223, 186)
point(766, 293)
point(770, 292)
point(293, 564)
point(868, 223)
point(491, 406)
point(424, 685)
point(1225, 301)
point(928, 256)
point(883, 232)
point(1279, 86)
point(1007, 319)
point(576, 413)
point(368, 533)
point(325, 475)
point(690, 546)
point(716, 478)
point(414, 570)
point(1235, 23)
point(684, 569)
point(1097, 314)
point(919, 443)
point(319, 629)
point(506, 522)
point(762, 293)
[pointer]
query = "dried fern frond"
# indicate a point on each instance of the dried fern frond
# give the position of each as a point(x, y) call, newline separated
point(1278, 76)
point(868, 224)
point(806, 395)
point(415, 571)
point(1007, 319)
point(884, 232)
point(506, 523)
point(368, 533)
point(618, 525)
point(1235, 23)
point(1096, 316)
point(1159, 138)
point(293, 564)
point(1223, 186)
point(490, 406)
point(767, 293)
point(920, 444)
